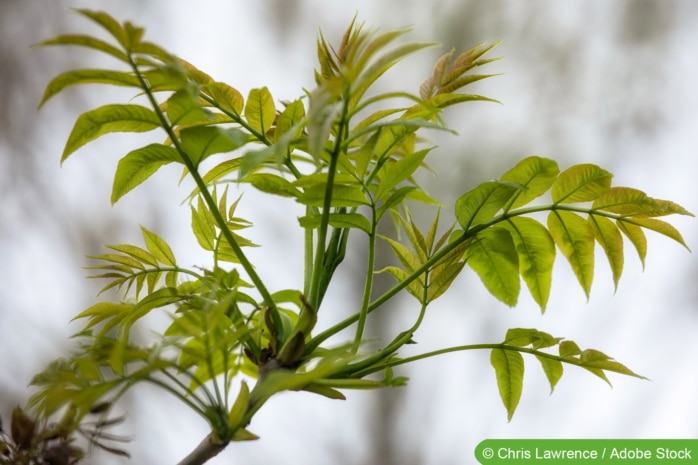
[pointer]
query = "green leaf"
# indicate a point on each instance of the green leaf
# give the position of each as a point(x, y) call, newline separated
point(569, 349)
point(536, 251)
point(200, 142)
point(272, 184)
point(594, 359)
point(226, 97)
point(608, 236)
point(661, 227)
point(575, 238)
point(158, 247)
point(492, 255)
point(393, 174)
point(139, 165)
point(203, 226)
point(87, 41)
point(480, 204)
point(139, 254)
point(107, 22)
point(342, 196)
point(338, 220)
point(553, 370)
point(509, 369)
point(627, 201)
point(107, 119)
point(260, 110)
point(535, 175)
point(184, 108)
point(290, 119)
point(221, 169)
point(408, 258)
point(239, 408)
point(581, 183)
point(637, 236)
point(87, 76)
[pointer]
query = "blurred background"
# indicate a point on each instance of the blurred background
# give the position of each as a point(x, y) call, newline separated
point(611, 83)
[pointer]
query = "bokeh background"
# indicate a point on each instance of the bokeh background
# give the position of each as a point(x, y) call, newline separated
point(611, 83)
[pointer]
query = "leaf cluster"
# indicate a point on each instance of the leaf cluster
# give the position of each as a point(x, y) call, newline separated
point(348, 157)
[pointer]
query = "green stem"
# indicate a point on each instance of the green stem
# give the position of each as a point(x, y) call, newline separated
point(318, 268)
point(368, 284)
point(227, 233)
point(404, 361)
point(466, 235)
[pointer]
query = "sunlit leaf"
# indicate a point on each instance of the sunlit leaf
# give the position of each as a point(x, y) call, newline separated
point(226, 97)
point(581, 183)
point(107, 22)
point(659, 226)
point(575, 238)
point(509, 369)
point(535, 175)
point(184, 108)
point(342, 196)
point(107, 119)
point(536, 251)
point(272, 184)
point(636, 236)
point(201, 142)
point(492, 255)
point(394, 173)
point(608, 236)
point(260, 110)
point(139, 165)
point(480, 204)
point(553, 370)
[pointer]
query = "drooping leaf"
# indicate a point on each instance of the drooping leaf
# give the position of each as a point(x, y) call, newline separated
point(536, 251)
point(535, 175)
point(608, 236)
point(580, 183)
point(107, 119)
point(553, 370)
point(260, 110)
point(480, 204)
point(636, 236)
point(139, 165)
point(87, 76)
point(492, 255)
point(509, 370)
point(575, 238)
point(661, 227)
